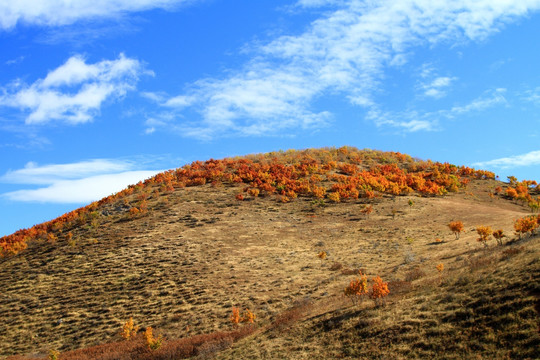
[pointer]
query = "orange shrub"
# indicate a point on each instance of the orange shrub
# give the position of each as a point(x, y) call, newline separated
point(356, 289)
point(334, 197)
point(235, 317)
point(498, 235)
point(379, 290)
point(484, 232)
point(512, 193)
point(456, 227)
point(254, 192)
point(368, 209)
point(248, 317)
point(129, 330)
point(526, 224)
point(152, 343)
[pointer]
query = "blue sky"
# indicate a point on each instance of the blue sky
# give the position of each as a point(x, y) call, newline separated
point(95, 95)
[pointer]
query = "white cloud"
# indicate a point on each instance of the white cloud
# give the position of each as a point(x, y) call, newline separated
point(64, 12)
point(493, 98)
point(408, 121)
point(80, 182)
point(529, 159)
point(437, 87)
point(75, 91)
point(319, 3)
point(532, 96)
point(345, 52)
point(15, 61)
point(413, 120)
point(81, 190)
point(47, 174)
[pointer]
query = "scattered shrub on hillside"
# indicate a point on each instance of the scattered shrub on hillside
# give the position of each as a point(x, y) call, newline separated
point(366, 210)
point(379, 290)
point(248, 317)
point(129, 330)
point(51, 238)
point(152, 343)
point(334, 197)
point(254, 192)
point(498, 235)
point(528, 224)
point(511, 193)
point(235, 317)
point(456, 227)
point(440, 268)
point(356, 289)
point(134, 211)
point(484, 232)
point(53, 355)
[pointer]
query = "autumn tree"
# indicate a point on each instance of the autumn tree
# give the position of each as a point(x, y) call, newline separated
point(498, 235)
point(379, 290)
point(456, 227)
point(484, 232)
point(525, 225)
point(440, 268)
point(356, 289)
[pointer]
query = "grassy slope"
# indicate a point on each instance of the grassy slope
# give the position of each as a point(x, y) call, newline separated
point(199, 252)
point(487, 307)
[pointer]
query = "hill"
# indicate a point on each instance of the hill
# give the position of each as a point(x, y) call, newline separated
point(180, 250)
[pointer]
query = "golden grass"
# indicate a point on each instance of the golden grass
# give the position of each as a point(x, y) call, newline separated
point(198, 252)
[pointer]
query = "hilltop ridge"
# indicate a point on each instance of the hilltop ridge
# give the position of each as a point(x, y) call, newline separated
point(333, 174)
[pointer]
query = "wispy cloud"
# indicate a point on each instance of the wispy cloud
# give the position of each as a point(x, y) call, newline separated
point(529, 159)
point(15, 61)
point(73, 92)
point(415, 120)
point(64, 12)
point(532, 96)
point(346, 52)
point(492, 98)
point(46, 174)
point(436, 87)
point(319, 3)
point(80, 182)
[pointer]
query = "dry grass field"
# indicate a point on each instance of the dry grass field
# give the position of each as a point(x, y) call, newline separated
point(198, 252)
